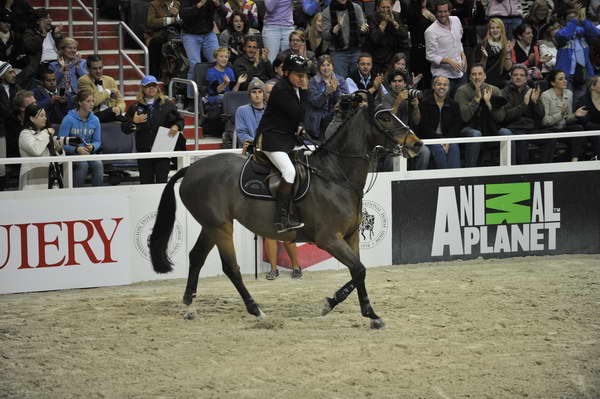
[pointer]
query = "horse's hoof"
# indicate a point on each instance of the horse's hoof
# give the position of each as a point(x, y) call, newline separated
point(189, 315)
point(261, 315)
point(377, 324)
point(326, 307)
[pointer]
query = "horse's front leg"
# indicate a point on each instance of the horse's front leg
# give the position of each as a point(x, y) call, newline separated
point(347, 252)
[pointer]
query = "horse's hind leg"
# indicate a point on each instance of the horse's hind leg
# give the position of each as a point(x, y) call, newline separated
point(197, 257)
point(224, 241)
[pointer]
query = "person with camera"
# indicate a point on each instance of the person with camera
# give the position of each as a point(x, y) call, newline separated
point(161, 23)
point(35, 140)
point(55, 102)
point(109, 104)
point(278, 130)
point(144, 117)
point(443, 121)
point(81, 122)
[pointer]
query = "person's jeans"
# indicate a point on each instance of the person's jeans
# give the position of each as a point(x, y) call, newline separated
point(81, 169)
point(276, 38)
point(510, 23)
point(443, 159)
point(421, 161)
point(345, 61)
point(472, 150)
point(196, 45)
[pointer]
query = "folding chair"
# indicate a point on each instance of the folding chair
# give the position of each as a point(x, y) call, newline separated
point(231, 102)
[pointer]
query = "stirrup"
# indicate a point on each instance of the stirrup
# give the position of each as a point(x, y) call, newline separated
point(283, 227)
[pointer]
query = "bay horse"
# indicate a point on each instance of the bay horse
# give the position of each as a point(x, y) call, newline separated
point(331, 210)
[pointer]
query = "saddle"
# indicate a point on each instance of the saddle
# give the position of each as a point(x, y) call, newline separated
point(260, 178)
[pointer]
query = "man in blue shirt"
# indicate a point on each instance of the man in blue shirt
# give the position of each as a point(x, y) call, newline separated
point(247, 117)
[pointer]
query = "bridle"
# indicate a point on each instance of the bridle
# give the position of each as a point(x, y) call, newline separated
point(398, 148)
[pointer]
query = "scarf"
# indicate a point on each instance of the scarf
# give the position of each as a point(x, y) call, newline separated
point(339, 41)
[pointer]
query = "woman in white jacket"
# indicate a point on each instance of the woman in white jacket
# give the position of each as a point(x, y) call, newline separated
point(33, 142)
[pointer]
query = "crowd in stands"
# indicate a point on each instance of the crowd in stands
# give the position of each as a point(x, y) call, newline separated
point(448, 68)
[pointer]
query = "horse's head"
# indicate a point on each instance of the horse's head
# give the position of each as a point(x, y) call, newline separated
point(393, 134)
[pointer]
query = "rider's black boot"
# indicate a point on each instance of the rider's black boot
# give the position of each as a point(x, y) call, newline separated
point(284, 221)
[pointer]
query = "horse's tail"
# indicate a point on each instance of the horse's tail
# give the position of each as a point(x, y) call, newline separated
point(163, 226)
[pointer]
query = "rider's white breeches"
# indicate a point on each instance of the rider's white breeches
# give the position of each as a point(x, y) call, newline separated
point(282, 161)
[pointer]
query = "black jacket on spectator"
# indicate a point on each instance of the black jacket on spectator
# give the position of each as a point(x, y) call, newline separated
point(383, 45)
point(162, 113)
point(430, 117)
point(243, 64)
point(9, 124)
point(33, 42)
point(521, 118)
point(20, 14)
point(198, 21)
point(357, 78)
point(283, 115)
point(12, 51)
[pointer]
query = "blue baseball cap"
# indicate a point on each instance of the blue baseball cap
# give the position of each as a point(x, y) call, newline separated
point(149, 79)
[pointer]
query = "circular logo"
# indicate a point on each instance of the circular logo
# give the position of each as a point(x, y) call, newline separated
point(374, 225)
point(143, 229)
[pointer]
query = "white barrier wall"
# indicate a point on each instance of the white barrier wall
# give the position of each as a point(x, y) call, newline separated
point(90, 237)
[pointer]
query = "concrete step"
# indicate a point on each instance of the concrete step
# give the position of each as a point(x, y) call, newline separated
point(58, 3)
point(128, 72)
point(85, 27)
point(104, 42)
point(111, 57)
point(205, 143)
point(60, 13)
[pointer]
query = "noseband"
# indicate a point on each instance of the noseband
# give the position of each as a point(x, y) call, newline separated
point(399, 148)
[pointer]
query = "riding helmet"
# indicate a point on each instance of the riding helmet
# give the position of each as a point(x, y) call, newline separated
point(295, 63)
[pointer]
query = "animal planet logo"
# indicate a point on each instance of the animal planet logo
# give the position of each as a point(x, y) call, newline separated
point(143, 229)
point(506, 214)
point(374, 224)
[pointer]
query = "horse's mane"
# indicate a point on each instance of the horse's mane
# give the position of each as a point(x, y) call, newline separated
point(370, 111)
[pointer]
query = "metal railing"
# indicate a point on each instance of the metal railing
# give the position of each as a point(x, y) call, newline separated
point(123, 54)
point(92, 14)
point(197, 104)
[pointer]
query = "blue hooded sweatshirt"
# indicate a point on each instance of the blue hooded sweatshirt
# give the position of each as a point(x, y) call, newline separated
point(88, 130)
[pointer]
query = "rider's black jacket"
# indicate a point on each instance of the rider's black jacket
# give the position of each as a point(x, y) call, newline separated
point(283, 115)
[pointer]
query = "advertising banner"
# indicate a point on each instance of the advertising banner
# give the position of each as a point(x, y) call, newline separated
point(63, 241)
point(496, 216)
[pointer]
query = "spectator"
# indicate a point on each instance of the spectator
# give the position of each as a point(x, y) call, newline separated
point(444, 47)
point(297, 46)
point(315, 42)
point(55, 103)
point(494, 53)
point(400, 63)
point(272, 249)
point(253, 62)
point(233, 37)
point(387, 35)
point(573, 57)
point(524, 112)
point(591, 121)
point(325, 89)
point(20, 12)
point(247, 117)
point(278, 23)
point(81, 122)
point(22, 100)
point(8, 90)
point(163, 15)
point(539, 19)
point(548, 49)
point(481, 111)
point(278, 67)
point(197, 32)
point(69, 67)
point(559, 115)
point(442, 121)
point(109, 104)
point(34, 141)
point(343, 25)
point(363, 77)
point(406, 107)
point(509, 11)
point(40, 43)
point(419, 20)
point(525, 51)
point(151, 111)
point(471, 14)
point(11, 46)
point(247, 8)
point(221, 77)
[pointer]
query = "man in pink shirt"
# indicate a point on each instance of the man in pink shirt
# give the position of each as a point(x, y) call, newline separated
point(443, 46)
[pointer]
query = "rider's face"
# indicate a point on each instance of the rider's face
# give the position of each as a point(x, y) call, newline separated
point(297, 79)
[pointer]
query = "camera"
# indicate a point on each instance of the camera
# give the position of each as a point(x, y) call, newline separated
point(414, 93)
point(347, 101)
point(56, 144)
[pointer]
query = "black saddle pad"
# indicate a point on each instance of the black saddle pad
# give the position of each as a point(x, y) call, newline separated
point(260, 181)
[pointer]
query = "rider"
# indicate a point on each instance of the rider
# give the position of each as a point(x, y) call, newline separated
point(279, 126)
